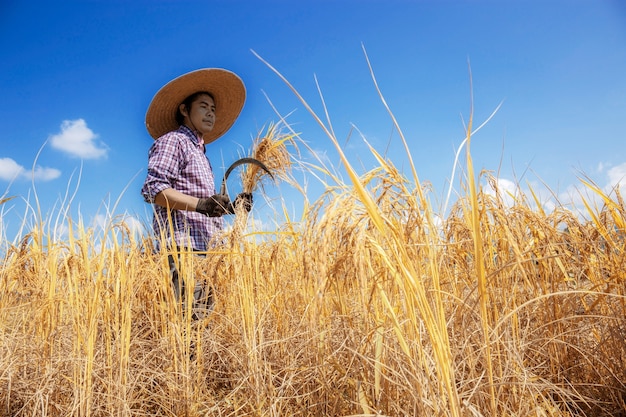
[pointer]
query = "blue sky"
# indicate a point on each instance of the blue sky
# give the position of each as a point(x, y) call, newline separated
point(77, 78)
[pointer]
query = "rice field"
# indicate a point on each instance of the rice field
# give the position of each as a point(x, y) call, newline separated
point(373, 304)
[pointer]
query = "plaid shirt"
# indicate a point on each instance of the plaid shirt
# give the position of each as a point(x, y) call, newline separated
point(176, 160)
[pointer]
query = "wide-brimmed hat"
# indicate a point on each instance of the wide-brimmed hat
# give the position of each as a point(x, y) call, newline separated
point(227, 90)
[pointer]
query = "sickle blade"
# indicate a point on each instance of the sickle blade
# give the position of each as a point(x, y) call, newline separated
point(241, 162)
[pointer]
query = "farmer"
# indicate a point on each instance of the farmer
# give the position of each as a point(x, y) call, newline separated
point(186, 114)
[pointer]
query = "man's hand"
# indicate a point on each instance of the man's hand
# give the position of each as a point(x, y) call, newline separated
point(245, 199)
point(215, 206)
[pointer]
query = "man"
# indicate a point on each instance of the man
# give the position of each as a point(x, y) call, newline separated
point(187, 113)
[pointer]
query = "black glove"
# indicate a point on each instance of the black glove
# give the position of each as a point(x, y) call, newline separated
point(215, 206)
point(245, 199)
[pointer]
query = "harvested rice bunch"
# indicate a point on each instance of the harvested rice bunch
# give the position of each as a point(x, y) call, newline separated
point(270, 149)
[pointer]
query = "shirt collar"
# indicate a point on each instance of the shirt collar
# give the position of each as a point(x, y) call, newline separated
point(195, 138)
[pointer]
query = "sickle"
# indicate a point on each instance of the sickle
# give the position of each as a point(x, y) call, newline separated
point(241, 162)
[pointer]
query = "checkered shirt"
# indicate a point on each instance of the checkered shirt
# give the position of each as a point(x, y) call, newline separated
point(177, 160)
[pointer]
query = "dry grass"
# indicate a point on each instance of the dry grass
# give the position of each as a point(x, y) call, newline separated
point(328, 321)
point(367, 307)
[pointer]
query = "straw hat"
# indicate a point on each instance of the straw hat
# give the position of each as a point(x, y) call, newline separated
point(226, 88)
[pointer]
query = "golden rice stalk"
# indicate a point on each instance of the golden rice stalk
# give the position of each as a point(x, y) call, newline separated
point(270, 149)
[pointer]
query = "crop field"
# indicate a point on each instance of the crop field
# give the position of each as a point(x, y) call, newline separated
point(373, 303)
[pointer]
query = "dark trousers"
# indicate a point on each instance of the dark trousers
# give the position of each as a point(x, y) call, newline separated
point(202, 302)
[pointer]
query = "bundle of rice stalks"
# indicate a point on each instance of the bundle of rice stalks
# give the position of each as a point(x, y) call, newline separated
point(270, 149)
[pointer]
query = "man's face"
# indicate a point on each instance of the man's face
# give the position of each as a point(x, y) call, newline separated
point(201, 114)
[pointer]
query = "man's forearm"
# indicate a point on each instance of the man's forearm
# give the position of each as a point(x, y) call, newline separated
point(173, 199)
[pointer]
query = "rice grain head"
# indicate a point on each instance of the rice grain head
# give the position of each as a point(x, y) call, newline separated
point(270, 149)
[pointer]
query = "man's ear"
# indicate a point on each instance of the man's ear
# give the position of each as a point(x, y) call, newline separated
point(183, 110)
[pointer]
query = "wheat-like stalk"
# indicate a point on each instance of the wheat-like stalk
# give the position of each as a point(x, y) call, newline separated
point(270, 148)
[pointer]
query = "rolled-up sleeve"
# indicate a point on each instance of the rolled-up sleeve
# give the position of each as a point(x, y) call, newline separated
point(163, 168)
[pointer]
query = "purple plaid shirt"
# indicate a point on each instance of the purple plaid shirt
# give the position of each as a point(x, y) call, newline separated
point(176, 160)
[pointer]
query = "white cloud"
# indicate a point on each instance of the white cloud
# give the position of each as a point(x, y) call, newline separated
point(617, 177)
point(577, 195)
point(505, 189)
point(78, 140)
point(11, 170)
point(100, 222)
point(135, 225)
point(61, 232)
point(574, 195)
point(44, 174)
